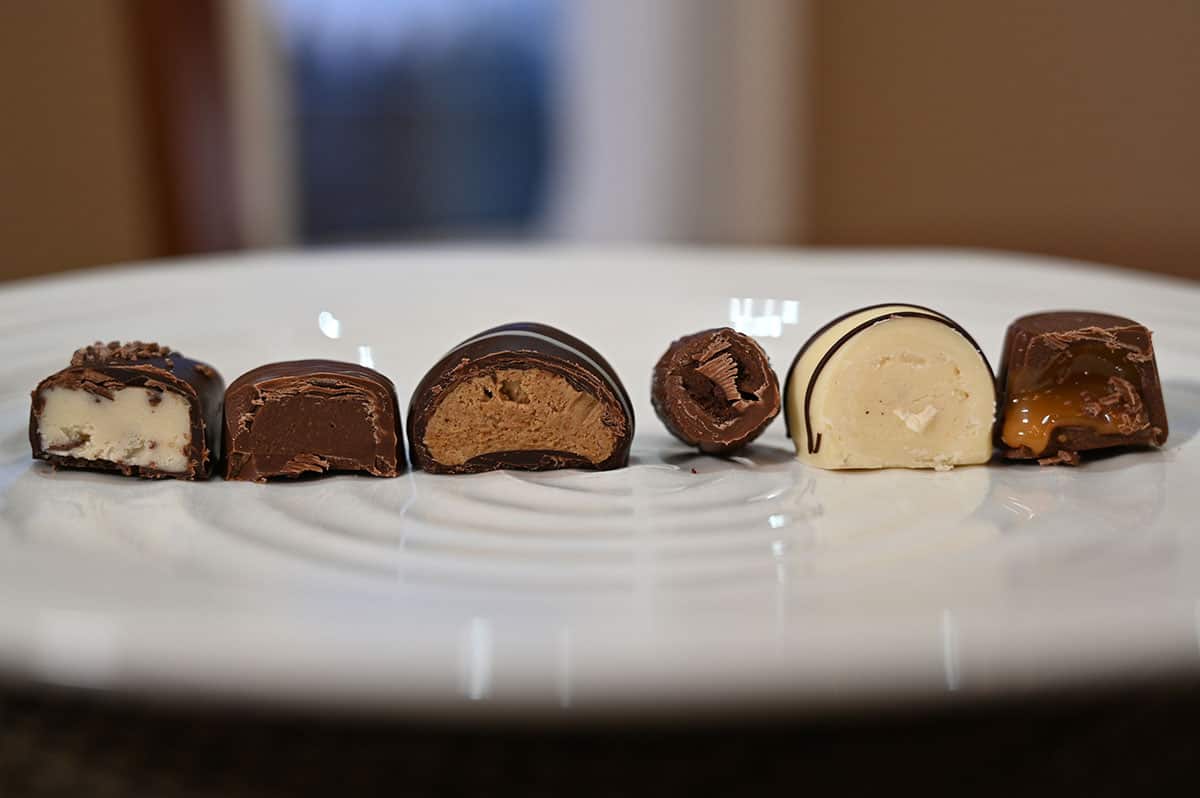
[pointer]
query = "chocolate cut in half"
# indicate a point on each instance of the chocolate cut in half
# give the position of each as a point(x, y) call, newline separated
point(311, 417)
point(715, 390)
point(891, 386)
point(141, 409)
point(1075, 381)
point(520, 396)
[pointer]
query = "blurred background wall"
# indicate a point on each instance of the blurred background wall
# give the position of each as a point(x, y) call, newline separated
point(75, 185)
point(1069, 127)
point(136, 128)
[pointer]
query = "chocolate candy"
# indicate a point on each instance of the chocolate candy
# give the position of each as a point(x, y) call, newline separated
point(891, 386)
point(139, 408)
point(311, 416)
point(521, 396)
point(715, 390)
point(1073, 381)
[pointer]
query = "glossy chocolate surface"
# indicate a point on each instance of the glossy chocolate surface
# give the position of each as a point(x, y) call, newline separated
point(519, 346)
point(715, 390)
point(310, 417)
point(1075, 381)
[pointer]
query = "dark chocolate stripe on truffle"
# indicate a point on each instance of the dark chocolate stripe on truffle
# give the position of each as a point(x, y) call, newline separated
point(787, 421)
point(521, 345)
point(601, 368)
point(815, 446)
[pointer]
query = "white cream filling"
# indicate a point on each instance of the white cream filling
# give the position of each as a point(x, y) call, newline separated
point(901, 393)
point(137, 427)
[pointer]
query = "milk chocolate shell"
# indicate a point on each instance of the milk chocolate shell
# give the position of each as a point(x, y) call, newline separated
point(311, 417)
point(715, 390)
point(891, 386)
point(141, 409)
point(1075, 381)
point(521, 396)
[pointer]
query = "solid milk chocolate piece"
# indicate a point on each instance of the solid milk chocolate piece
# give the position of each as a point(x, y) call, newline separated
point(891, 386)
point(311, 416)
point(137, 408)
point(715, 390)
point(1074, 381)
point(520, 396)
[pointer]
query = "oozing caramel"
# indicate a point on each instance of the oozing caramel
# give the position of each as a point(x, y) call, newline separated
point(1107, 406)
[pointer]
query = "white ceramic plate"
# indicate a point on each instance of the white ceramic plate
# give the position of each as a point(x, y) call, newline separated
point(680, 583)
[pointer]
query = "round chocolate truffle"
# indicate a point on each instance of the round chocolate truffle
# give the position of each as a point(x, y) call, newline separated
point(715, 390)
point(890, 386)
point(520, 396)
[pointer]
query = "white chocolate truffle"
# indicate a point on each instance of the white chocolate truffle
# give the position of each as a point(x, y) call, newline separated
point(891, 386)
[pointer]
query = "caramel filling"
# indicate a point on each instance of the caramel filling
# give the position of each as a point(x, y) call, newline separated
point(1106, 406)
point(517, 410)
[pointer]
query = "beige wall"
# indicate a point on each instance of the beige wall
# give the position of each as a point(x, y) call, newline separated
point(74, 180)
point(1069, 127)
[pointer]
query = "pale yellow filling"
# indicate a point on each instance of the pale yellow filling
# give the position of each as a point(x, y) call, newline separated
point(902, 393)
point(137, 427)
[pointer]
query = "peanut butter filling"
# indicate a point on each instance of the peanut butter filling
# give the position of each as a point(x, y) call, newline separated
point(1107, 406)
point(517, 410)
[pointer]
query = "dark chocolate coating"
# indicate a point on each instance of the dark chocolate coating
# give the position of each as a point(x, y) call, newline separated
point(102, 368)
point(719, 416)
point(1042, 346)
point(522, 345)
point(311, 416)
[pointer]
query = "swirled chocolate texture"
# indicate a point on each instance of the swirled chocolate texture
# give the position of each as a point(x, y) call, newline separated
point(715, 390)
point(141, 409)
point(891, 386)
point(521, 396)
point(1076, 381)
point(311, 417)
